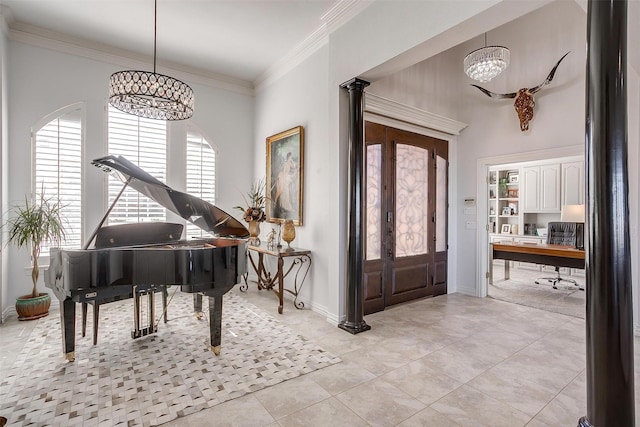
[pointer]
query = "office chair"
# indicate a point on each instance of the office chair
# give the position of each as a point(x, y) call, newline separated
point(560, 233)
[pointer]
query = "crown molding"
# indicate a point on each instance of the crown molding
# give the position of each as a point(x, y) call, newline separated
point(337, 16)
point(385, 107)
point(342, 12)
point(39, 37)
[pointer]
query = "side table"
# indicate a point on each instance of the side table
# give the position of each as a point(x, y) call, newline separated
point(266, 280)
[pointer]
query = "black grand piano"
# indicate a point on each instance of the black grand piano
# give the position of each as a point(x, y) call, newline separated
point(132, 260)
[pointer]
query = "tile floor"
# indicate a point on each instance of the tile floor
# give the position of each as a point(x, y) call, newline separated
point(453, 360)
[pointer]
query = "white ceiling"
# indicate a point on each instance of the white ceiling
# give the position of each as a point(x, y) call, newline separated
point(235, 38)
point(230, 40)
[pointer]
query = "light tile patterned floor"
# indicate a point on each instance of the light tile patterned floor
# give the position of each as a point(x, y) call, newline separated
point(448, 361)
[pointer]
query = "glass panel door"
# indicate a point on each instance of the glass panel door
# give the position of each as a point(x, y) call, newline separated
point(412, 200)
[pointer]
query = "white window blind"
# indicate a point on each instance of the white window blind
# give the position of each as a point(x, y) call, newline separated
point(143, 142)
point(201, 174)
point(58, 168)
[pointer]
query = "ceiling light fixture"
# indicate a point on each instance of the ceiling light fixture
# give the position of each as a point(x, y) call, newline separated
point(151, 95)
point(487, 62)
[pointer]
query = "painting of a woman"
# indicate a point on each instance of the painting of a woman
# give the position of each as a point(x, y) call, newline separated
point(284, 176)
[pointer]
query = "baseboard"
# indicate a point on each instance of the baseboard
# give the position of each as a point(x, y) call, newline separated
point(11, 311)
point(466, 290)
point(8, 312)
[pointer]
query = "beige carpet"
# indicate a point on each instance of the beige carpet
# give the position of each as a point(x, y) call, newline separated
point(156, 378)
point(522, 289)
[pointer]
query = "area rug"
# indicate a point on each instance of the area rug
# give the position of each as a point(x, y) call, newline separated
point(157, 378)
point(522, 289)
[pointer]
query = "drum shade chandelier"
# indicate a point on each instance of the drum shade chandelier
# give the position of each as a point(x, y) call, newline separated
point(151, 95)
point(487, 62)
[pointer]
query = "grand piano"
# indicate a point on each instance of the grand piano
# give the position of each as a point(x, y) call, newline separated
point(133, 260)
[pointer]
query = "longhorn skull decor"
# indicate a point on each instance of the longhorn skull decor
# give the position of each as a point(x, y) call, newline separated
point(524, 101)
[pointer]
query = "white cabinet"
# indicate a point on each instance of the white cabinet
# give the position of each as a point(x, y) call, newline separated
point(573, 183)
point(541, 188)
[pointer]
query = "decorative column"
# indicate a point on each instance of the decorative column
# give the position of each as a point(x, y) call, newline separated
point(610, 391)
point(355, 253)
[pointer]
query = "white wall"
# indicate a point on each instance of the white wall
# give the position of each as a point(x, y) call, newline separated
point(301, 99)
point(378, 35)
point(44, 80)
point(536, 41)
point(439, 85)
point(4, 159)
point(559, 111)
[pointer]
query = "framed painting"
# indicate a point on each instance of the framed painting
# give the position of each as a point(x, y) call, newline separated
point(285, 160)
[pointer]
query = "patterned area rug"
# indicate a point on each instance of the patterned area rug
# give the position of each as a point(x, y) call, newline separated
point(157, 378)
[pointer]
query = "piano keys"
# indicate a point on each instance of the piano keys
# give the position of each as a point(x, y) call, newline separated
point(130, 260)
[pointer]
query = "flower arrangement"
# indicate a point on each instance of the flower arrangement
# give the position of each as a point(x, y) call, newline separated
point(256, 202)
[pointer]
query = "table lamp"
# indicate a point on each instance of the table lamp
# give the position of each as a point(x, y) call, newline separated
point(575, 213)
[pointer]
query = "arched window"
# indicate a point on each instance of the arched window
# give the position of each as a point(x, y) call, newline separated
point(57, 168)
point(143, 142)
point(201, 172)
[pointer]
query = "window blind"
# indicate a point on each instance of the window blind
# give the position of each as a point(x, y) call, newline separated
point(201, 174)
point(143, 142)
point(58, 170)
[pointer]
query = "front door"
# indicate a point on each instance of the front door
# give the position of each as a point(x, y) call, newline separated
point(406, 217)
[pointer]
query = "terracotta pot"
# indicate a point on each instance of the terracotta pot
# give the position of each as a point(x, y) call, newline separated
point(29, 308)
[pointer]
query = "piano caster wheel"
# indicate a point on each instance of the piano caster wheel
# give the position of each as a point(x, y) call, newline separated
point(216, 350)
point(199, 315)
point(70, 356)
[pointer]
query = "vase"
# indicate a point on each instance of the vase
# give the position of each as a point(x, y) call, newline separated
point(288, 233)
point(254, 232)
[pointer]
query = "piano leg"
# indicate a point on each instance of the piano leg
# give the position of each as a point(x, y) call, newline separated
point(197, 305)
point(68, 326)
point(165, 294)
point(96, 316)
point(215, 322)
point(84, 319)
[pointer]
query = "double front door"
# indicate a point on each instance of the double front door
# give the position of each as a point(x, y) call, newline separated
point(406, 217)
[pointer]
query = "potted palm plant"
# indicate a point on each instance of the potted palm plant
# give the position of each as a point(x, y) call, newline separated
point(31, 225)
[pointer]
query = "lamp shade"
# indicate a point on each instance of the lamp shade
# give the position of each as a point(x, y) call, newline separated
point(572, 213)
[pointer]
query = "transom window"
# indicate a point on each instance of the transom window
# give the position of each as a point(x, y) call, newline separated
point(58, 169)
point(144, 142)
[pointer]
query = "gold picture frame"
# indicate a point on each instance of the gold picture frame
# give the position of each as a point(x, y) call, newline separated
point(285, 174)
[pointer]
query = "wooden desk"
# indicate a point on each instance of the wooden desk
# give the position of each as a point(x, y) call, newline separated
point(556, 255)
point(275, 282)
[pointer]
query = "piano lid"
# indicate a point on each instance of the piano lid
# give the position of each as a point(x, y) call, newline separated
point(195, 210)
